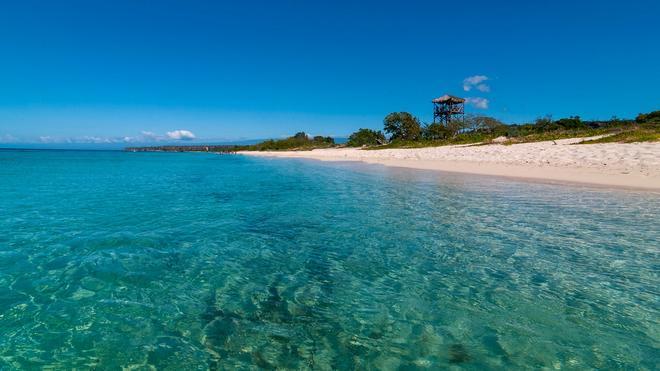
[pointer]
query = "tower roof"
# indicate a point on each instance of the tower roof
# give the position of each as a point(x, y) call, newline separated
point(448, 99)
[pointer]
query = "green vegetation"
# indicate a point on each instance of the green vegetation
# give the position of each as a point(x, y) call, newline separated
point(402, 126)
point(406, 132)
point(639, 134)
point(556, 135)
point(434, 131)
point(299, 142)
point(650, 118)
point(366, 137)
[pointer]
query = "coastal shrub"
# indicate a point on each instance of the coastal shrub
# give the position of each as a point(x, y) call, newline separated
point(323, 140)
point(299, 141)
point(544, 123)
point(491, 124)
point(402, 126)
point(520, 130)
point(484, 124)
point(572, 122)
point(512, 131)
point(456, 127)
point(436, 131)
point(366, 137)
point(639, 134)
point(648, 118)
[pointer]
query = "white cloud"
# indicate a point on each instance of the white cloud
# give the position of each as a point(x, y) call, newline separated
point(87, 139)
point(476, 82)
point(477, 102)
point(94, 139)
point(483, 88)
point(181, 135)
point(143, 137)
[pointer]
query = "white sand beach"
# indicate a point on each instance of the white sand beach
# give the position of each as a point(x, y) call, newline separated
point(634, 165)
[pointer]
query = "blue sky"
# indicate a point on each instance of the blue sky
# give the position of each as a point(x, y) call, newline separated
point(133, 71)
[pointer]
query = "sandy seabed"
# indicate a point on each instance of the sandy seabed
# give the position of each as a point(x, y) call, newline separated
point(633, 165)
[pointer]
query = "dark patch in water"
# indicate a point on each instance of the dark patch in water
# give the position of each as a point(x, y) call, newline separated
point(538, 279)
point(274, 308)
point(218, 327)
point(458, 354)
point(164, 352)
point(212, 312)
point(218, 331)
point(319, 271)
point(376, 334)
point(279, 338)
point(491, 342)
point(270, 310)
point(260, 361)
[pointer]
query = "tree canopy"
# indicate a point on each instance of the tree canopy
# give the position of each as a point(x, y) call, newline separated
point(402, 126)
point(651, 117)
point(436, 131)
point(366, 137)
point(484, 124)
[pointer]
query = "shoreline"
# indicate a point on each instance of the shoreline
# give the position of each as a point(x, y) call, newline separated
point(634, 166)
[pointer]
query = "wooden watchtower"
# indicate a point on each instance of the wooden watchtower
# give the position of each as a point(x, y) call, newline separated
point(448, 108)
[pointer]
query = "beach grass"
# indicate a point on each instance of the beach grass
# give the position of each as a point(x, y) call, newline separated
point(467, 138)
point(557, 135)
point(649, 134)
point(485, 139)
point(633, 134)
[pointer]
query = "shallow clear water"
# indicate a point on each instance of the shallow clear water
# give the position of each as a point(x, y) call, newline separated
point(197, 261)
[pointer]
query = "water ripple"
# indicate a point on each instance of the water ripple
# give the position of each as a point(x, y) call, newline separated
point(184, 261)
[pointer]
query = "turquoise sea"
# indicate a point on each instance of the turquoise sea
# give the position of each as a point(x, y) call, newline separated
point(180, 261)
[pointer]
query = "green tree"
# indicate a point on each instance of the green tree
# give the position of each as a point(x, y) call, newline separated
point(651, 117)
point(545, 123)
point(299, 141)
point(573, 122)
point(491, 124)
point(484, 124)
point(455, 127)
point(366, 137)
point(436, 131)
point(322, 139)
point(402, 126)
point(301, 135)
